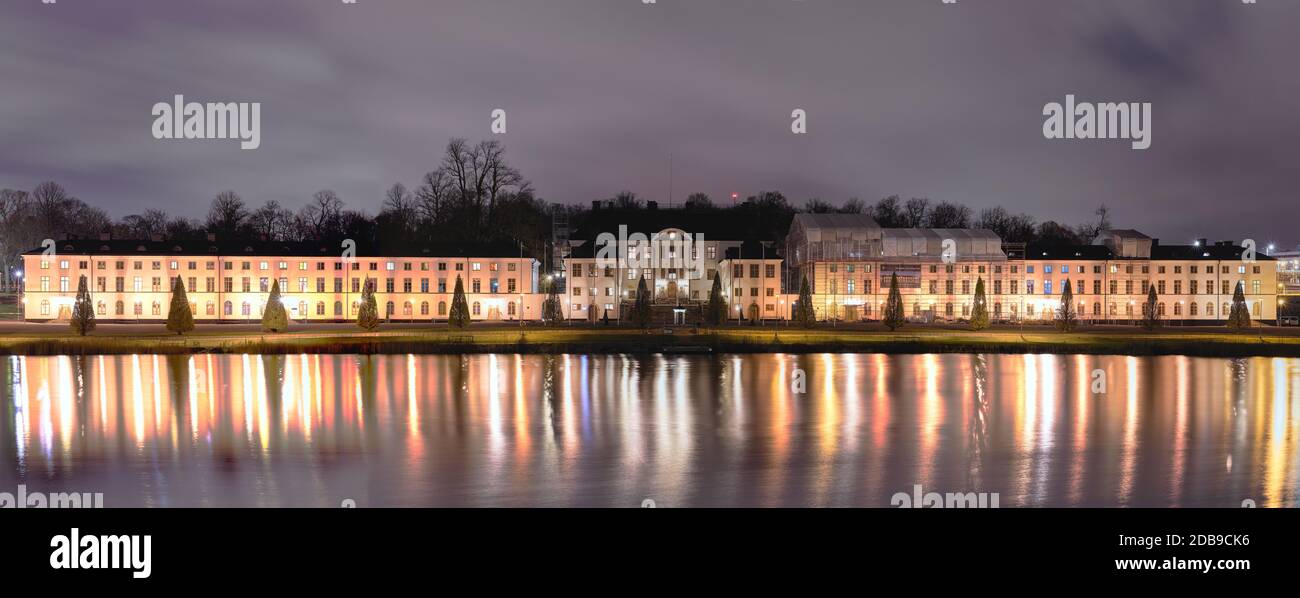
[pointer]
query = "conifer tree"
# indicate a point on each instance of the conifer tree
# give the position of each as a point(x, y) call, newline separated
point(83, 313)
point(274, 318)
point(894, 305)
point(180, 318)
point(459, 316)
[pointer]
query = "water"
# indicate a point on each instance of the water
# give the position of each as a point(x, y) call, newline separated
point(611, 430)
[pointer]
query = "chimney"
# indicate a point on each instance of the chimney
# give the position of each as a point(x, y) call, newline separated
point(652, 205)
point(1203, 242)
point(595, 204)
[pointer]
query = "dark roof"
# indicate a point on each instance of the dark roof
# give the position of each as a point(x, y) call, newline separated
point(1039, 251)
point(232, 248)
point(752, 250)
point(721, 225)
point(1215, 251)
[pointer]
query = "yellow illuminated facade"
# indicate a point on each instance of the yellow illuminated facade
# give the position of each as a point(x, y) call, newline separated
point(137, 286)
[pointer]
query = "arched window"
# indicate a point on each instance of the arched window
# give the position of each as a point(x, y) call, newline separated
point(424, 308)
point(476, 309)
point(1254, 309)
point(246, 309)
point(1209, 309)
point(157, 309)
point(229, 309)
point(1160, 309)
point(45, 307)
point(120, 308)
point(510, 308)
point(302, 309)
point(442, 308)
point(1178, 308)
point(1096, 309)
point(211, 308)
point(138, 308)
point(1192, 307)
point(407, 309)
point(320, 308)
point(101, 309)
point(338, 308)
point(1225, 311)
point(388, 309)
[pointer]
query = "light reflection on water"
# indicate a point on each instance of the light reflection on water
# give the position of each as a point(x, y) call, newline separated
point(524, 430)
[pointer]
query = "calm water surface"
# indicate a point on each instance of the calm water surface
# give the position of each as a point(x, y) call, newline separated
point(610, 430)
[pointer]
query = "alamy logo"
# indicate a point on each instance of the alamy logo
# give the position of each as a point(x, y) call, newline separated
point(54, 500)
point(953, 500)
point(75, 551)
point(1085, 120)
point(674, 250)
point(213, 120)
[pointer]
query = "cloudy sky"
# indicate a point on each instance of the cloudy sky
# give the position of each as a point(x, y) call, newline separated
point(908, 97)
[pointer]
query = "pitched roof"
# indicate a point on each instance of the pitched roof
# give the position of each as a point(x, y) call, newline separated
point(232, 248)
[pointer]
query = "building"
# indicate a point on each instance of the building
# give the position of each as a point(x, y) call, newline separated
point(849, 262)
point(677, 252)
point(131, 280)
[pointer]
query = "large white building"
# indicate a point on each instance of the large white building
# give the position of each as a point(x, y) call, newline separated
point(131, 280)
point(849, 261)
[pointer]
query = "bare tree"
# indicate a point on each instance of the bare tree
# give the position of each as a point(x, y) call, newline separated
point(915, 212)
point(948, 215)
point(227, 214)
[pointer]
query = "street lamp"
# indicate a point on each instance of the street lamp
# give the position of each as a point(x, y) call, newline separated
point(22, 301)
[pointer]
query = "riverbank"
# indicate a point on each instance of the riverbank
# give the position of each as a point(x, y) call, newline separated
point(127, 339)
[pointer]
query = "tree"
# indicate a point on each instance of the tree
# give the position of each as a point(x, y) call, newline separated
point(551, 312)
point(979, 317)
point(180, 318)
point(227, 214)
point(948, 215)
point(274, 318)
point(715, 311)
point(894, 305)
point(803, 311)
point(368, 313)
point(1066, 317)
point(459, 315)
point(641, 308)
point(83, 313)
point(1239, 315)
point(1150, 315)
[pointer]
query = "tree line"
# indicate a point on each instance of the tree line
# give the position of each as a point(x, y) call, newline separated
point(472, 194)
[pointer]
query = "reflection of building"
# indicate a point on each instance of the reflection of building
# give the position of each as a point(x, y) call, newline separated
point(849, 260)
point(132, 280)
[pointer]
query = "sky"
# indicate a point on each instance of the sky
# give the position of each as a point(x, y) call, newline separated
point(910, 97)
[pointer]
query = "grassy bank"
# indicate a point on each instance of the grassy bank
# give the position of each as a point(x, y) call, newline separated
point(726, 340)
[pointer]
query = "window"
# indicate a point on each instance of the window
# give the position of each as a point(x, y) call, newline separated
point(424, 308)
point(442, 308)
point(476, 309)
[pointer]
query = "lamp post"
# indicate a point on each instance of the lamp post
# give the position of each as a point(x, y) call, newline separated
point(22, 302)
